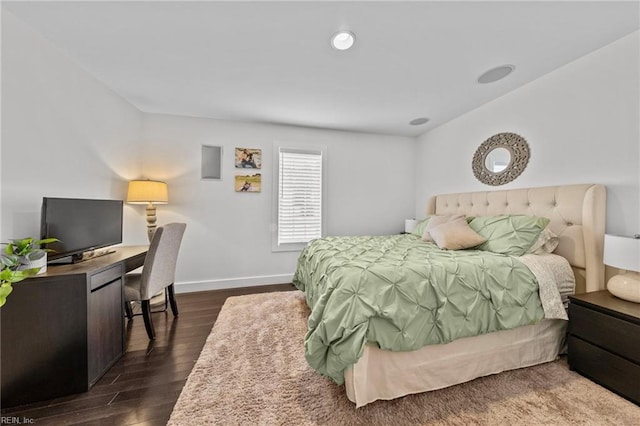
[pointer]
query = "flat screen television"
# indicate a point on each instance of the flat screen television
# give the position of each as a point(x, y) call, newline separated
point(80, 224)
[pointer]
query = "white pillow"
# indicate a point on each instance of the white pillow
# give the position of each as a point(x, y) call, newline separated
point(437, 220)
point(546, 243)
point(456, 235)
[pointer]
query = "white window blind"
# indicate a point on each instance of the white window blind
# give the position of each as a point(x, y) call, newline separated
point(299, 196)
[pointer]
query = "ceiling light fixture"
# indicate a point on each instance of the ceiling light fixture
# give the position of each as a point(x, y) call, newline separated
point(495, 74)
point(343, 40)
point(419, 121)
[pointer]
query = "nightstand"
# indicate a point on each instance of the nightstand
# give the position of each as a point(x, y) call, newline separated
point(604, 341)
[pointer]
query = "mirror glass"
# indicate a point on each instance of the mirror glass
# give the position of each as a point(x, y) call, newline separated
point(497, 160)
point(500, 159)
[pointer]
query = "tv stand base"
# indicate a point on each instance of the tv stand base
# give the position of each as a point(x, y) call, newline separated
point(91, 254)
point(81, 257)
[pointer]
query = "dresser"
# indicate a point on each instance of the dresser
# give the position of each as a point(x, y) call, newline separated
point(604, 341)
point(62, 330)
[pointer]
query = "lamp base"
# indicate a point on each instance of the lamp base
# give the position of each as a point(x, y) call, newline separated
point(625, 286)
point(151, 221)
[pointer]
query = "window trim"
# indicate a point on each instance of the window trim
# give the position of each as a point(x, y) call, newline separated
point(305, 149)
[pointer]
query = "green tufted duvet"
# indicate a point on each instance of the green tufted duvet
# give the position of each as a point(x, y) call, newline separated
point(402, 294)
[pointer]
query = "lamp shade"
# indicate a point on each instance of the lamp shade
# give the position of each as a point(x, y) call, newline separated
point(147, 191)
point(410, 225)
point(622, 252)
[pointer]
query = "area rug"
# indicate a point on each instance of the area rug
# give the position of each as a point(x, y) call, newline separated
point(252, 371)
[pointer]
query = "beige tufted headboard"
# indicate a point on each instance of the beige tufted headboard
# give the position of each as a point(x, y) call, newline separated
point(577, 214)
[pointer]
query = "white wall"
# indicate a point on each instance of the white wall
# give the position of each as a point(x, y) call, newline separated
point(64, 134)
point(581, 122)
point(228, 237)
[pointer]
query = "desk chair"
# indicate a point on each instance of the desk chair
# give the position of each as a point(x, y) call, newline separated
point(158, 273)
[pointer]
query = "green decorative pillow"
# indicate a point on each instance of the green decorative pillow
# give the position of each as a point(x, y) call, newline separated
point(419, 229)
point(509, 234)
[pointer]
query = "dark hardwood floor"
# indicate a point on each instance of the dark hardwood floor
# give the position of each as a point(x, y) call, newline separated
point(143, 387)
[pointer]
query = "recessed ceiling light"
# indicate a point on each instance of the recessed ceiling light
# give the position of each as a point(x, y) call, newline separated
point(343, 40)
point(418, 121)
point(495, 74)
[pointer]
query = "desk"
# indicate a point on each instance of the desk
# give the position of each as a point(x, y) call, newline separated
point(62, 330)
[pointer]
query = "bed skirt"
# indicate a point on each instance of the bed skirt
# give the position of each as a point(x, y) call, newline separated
point(382, 374)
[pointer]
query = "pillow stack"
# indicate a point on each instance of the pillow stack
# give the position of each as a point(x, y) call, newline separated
point(513, 235)
point(435, 221)
point(451, 232)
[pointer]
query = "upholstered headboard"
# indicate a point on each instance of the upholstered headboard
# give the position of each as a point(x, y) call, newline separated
point(577, 214)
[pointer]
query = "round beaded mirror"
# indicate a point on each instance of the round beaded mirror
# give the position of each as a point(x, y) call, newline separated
point(500, 159)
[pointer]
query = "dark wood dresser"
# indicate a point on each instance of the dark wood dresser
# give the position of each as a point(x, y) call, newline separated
point(62, 330)
point(604, 341)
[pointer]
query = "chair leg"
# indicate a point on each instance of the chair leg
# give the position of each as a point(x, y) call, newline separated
point(148, 324)
point(127, 310)
point(172, 300)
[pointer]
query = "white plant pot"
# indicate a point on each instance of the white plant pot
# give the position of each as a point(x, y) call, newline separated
point(38, 263)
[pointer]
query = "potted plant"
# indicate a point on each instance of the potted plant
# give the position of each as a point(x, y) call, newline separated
point(21, 259)
point(29, 254)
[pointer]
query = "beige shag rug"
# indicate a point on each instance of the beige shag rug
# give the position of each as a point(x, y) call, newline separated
point(252, 371)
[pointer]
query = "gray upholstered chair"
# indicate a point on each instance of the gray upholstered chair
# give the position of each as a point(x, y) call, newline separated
point(158, 273)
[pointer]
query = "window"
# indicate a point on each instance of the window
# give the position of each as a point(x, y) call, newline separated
point(300, 203)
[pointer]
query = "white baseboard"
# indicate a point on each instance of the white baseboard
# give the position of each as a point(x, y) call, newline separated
point(193, 286)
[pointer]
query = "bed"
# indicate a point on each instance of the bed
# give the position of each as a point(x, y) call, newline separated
point(576, 214)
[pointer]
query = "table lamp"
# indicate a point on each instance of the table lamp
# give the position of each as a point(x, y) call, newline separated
point(410, 225)
point(623, 253)
point(149, 192)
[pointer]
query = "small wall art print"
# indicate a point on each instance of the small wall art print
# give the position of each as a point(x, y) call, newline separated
point(248, 183)
point(248, 158)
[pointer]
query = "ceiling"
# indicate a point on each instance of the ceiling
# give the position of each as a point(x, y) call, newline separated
point(272, 61)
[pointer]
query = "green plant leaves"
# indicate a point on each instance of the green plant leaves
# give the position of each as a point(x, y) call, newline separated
point(20, 247)
point(19, 253)
point(9, 276)
point(47, 241)
point(24, 246)
point(10, 261)
point(12, 258)
point(5, 290)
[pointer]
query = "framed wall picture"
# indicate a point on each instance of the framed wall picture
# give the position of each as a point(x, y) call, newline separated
point(248, 158)
point(248, 182)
